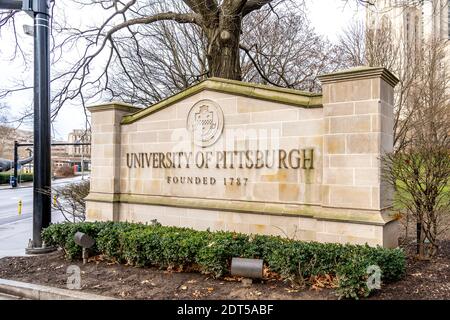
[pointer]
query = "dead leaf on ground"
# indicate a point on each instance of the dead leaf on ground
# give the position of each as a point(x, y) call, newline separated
point(323, 281)
point(232, 279)
point(197, 294)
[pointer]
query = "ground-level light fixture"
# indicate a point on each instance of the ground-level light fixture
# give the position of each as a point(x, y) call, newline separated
point(247, 268)
point(86, 242)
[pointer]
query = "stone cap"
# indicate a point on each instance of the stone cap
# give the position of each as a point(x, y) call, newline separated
point(362, 72)
point(113, 105)
point(366, 216)
point(252, 90)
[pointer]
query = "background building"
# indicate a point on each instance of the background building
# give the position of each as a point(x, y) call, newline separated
point(412, 20)
point(61, 155)
point(79, 136)
point(8, 136)
point(413, 23)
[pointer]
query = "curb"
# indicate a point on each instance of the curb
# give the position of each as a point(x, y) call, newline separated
point(38, 292)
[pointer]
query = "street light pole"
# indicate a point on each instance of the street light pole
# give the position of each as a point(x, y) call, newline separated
point(42, 137)
point(16, 164)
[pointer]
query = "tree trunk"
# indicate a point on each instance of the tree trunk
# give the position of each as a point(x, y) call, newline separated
point(223, 48)
point(418, 236)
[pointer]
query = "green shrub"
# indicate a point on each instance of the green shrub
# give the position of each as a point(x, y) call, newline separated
point(352, 278)
point(24, 177)
point(4, 177)
point(211, 252)
point(108, 239)
point(62, 235)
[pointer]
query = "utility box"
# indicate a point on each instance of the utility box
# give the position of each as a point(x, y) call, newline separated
point(13, 181)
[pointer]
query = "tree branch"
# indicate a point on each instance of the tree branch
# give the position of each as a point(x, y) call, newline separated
point(253, 5)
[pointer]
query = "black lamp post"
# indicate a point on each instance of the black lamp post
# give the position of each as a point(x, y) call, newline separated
point(39, 9)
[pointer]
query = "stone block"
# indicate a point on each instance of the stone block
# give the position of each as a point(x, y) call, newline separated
point(350, 197)
point(367, 177)
point(350, 124)
point(368, 107)
point(339, 109)
point(303, 128)
point(288, 192)
point(350, 161)
point(363, 143)
point(338, 176)
point(275, 116)
point(334, 144)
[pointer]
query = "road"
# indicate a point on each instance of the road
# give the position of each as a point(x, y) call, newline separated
point(15, 229)
point(9, 201)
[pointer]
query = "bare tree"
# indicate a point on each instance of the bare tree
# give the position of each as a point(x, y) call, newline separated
point(3, 110)
point(69, 200)
point(421, 172)
point(171, 58)
point(282, 49)
point(219, 21)
point(279, 49)
point(380, 47)
point(5, 129)
point(418, 168)
point(129, 29)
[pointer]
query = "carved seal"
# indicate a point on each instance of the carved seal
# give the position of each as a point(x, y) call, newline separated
point(205, 123)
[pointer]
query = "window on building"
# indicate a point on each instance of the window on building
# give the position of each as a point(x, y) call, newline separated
point(408, 27)
point(448, 20)
point(416, 34)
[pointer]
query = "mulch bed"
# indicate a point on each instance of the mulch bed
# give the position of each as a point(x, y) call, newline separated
point(127, 282)
point(424, 280)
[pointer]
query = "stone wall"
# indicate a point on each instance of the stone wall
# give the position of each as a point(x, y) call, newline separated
point(338, 197)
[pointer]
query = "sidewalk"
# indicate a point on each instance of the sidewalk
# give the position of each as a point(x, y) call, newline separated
point(14, 236)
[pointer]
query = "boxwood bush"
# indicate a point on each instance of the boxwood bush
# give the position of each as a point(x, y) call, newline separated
point(211, 252)
point(24, 177)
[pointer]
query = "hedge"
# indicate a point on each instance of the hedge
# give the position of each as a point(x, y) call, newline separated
point(24, 177)
point(211, 252)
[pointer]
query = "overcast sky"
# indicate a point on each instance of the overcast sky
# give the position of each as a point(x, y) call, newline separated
point(329, 17)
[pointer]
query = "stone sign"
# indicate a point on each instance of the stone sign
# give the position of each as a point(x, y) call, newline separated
point(229, 155)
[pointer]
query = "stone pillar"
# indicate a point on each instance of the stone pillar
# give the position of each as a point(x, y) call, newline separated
point(102, 201)
point(358, 124)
